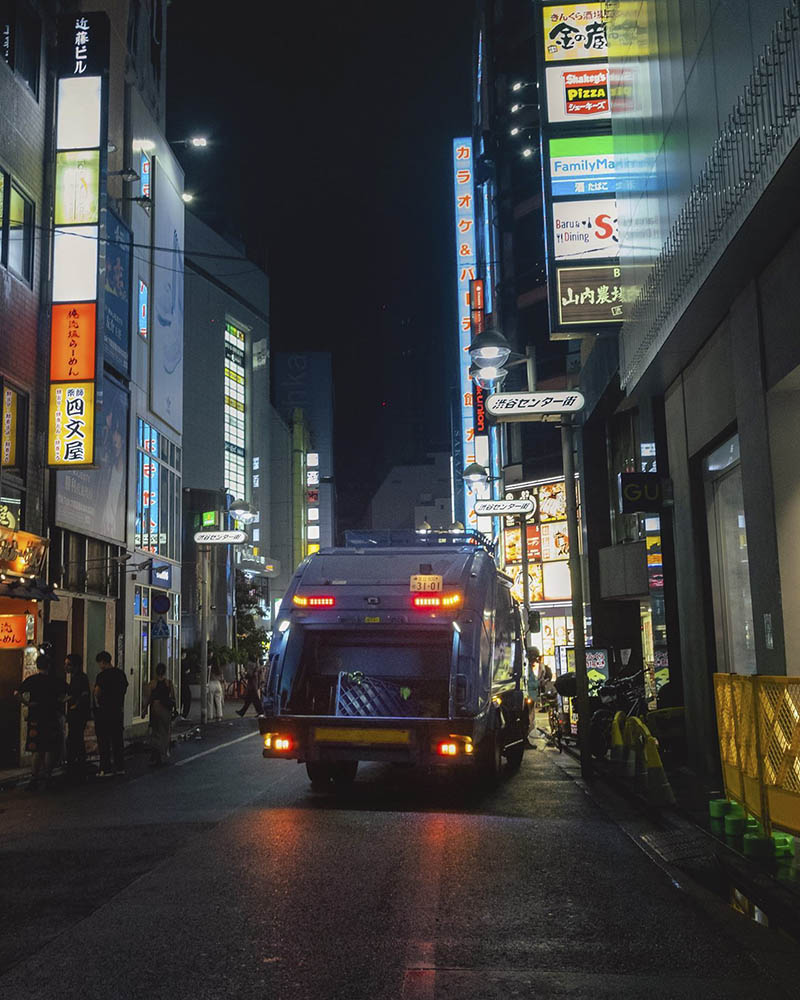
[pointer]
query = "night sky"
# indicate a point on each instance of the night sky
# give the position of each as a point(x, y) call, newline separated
point(331, 127)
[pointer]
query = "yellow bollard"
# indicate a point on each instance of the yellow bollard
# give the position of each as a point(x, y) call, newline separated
point(659, 790)
point(617, 744)
point(629, 750)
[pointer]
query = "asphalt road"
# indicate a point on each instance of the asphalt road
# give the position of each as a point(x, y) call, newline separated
point(223, 875)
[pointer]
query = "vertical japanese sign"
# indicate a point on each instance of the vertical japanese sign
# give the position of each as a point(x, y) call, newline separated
point(76, 355)
point(579, 168)
point(466, 273)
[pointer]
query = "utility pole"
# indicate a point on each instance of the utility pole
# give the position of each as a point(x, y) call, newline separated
point(203, 568)
point(576, 578)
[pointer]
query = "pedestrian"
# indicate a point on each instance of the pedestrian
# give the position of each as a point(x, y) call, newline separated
point(79, 708)
point(252, 694)
point(43, 696)
point(186, 687)
point(216, 693)
point(109, 692)
point(161, 701)
point(532, 684)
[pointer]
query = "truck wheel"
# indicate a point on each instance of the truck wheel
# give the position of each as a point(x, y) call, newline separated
point(344, 772)
point(492, 762)
point(319, 774)
point(514, 757)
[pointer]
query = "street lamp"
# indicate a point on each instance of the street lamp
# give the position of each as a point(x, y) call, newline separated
point(489, 349)
point(195, 141)
point(475, 475)
point(241, 510)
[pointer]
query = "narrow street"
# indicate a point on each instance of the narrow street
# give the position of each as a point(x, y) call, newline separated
point(223, 875)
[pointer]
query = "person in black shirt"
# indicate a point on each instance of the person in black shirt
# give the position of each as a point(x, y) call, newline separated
point(44, 698)
point(109, 693)
point(79, 699)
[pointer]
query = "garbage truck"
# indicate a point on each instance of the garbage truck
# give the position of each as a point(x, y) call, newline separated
point(402, 647)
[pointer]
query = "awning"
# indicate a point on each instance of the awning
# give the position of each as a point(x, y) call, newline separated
point(27, 589)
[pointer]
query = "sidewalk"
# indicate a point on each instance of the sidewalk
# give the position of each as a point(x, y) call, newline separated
point(716, 862)
point(137, 739)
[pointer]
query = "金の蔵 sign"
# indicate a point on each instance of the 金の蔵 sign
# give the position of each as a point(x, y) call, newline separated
point(575, 31)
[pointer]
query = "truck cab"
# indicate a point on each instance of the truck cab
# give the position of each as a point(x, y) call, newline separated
point(400, 647)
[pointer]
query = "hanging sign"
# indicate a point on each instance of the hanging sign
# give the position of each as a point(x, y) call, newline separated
point(518, 406)
point(13, 631)
point(495, 507)
point(220, 537)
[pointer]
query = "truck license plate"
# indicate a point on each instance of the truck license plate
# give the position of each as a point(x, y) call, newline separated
point(425, 584)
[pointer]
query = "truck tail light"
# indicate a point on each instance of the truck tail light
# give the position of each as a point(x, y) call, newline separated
point(316, 601)
point(276, 741)
point(436, 600)
point(447, 749)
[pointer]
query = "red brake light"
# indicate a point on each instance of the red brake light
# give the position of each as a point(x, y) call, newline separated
point(301, 601)
point(282, 743)
point(447, 749)
point(427, 602)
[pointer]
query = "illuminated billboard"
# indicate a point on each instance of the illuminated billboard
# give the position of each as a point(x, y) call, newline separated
point(75, 357)
point(585, 229)
point(583, 165)
point(577, 93)
point(589, 295)
point(575, 31)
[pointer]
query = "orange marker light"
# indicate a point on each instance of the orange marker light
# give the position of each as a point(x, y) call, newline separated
point(313, 602)
point(436, 600)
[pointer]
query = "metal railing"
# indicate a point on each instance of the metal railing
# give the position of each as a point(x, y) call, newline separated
point(756, 137)
point(758, 721)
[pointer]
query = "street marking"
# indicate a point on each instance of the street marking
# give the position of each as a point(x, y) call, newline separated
point(205, 753)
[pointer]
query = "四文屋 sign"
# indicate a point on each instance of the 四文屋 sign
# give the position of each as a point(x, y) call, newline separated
point(80, 229)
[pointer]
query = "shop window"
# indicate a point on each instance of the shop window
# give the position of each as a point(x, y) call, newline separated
point(730, 569)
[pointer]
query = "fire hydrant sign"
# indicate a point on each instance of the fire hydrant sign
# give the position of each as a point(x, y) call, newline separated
point(497, 507)
point(507, 406)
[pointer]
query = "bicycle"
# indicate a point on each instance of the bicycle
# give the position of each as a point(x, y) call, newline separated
point(627, 695)
point(236, 688)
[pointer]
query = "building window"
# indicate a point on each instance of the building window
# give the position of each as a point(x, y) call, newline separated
point(158, 492)
point(16, 229)
point(21, 41)
point(730, 567)
point(235, 396)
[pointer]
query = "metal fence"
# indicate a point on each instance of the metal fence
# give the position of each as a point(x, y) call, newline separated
point(758, 720)
point(757, 136)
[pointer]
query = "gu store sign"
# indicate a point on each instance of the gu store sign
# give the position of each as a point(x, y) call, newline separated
point(79, 220)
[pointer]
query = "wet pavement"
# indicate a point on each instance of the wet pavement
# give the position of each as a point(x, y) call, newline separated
point(223, 874)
